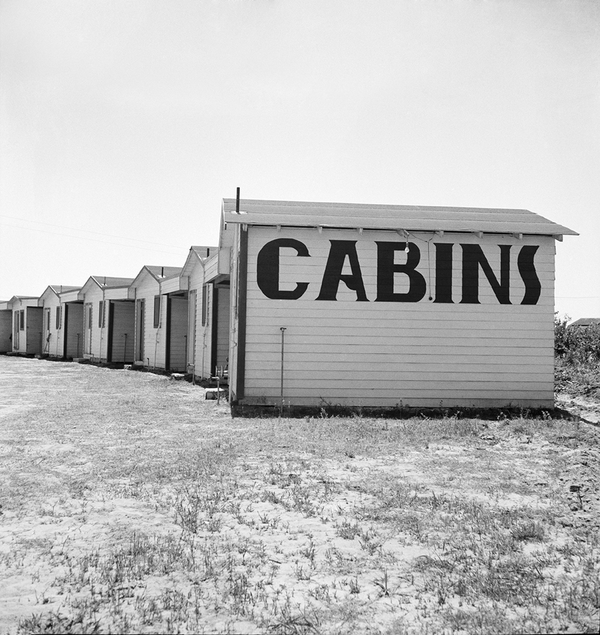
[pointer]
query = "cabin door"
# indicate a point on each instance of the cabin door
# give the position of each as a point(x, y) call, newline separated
point(177, 333)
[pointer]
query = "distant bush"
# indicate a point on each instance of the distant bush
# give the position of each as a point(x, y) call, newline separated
point(576, 344)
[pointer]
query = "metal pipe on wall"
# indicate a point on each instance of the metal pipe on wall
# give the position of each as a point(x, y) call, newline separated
point(282, 329)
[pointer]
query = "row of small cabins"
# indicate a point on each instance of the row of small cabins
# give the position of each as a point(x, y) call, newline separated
point(328, 305)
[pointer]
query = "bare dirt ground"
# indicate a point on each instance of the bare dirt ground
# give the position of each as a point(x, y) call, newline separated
point(132, 504)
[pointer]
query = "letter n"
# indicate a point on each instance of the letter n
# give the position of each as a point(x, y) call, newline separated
point(473, 258)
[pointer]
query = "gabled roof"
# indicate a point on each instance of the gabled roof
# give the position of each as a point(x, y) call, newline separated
point(159, 273)
point(106, 282)
point(203, 251)
point(586, 322)
point(196, 255)
point(390, 217)
point(29, 300)
point(59, 288)
point(109, 281)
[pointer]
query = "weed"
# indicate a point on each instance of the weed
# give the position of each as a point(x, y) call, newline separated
point(383, 584)
point(347, 530)
point(528, 530)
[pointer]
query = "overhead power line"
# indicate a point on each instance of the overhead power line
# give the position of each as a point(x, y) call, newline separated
point(96, 240)
point(77, 229)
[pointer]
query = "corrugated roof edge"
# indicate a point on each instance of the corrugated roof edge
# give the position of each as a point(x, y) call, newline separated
point(392, 217)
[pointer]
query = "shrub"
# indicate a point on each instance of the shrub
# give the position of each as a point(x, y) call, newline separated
point(576, 345)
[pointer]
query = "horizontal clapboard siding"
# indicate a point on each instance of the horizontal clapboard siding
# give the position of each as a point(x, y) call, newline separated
point(52, 338)
point(154, 338)
point(96, 337)
point(197, 336)
point(419, 354)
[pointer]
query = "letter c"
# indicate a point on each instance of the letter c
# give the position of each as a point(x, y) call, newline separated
point(267, 269)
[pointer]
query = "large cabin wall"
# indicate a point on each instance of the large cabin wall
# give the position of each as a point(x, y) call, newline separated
point(359, 347)
point(154, 336)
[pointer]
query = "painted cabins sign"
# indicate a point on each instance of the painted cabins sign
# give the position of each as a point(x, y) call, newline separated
point(403, 273)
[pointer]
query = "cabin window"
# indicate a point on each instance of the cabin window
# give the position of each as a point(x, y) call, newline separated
point(101, 319)
point(47, 314)
point(21, 320)
point(156, 311)
point(58, 317)
point(89, 310)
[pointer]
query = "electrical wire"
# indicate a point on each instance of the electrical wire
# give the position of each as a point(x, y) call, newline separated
point(96, 240)
point(85, 231)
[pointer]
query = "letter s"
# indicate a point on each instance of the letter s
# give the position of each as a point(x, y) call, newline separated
point(533, 287)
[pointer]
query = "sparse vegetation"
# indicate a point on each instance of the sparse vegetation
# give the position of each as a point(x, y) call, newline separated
point(162, 514)
point(577, 352)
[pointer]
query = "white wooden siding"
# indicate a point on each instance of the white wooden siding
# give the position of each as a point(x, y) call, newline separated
point(154, 338)
point(88, 329)
point(234, 331)
point(96, 337)
point(178, 334)
point(349, 352)
point(211, 267)
point(52, 340)
point(206, 311)
point(197, 335)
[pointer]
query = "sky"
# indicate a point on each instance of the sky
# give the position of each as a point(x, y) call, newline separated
point(123, 123)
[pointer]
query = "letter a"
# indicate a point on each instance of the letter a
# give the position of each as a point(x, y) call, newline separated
point(338, 252)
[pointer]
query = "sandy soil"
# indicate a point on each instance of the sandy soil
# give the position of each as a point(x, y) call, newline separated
point(129, 502)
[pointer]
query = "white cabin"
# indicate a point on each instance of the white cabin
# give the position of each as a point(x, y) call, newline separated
point(73, 326)
point(27, 328)
point(54, 322)
point(199, 337)
point(108, 320)
point(389, 307)
point(152, 312)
